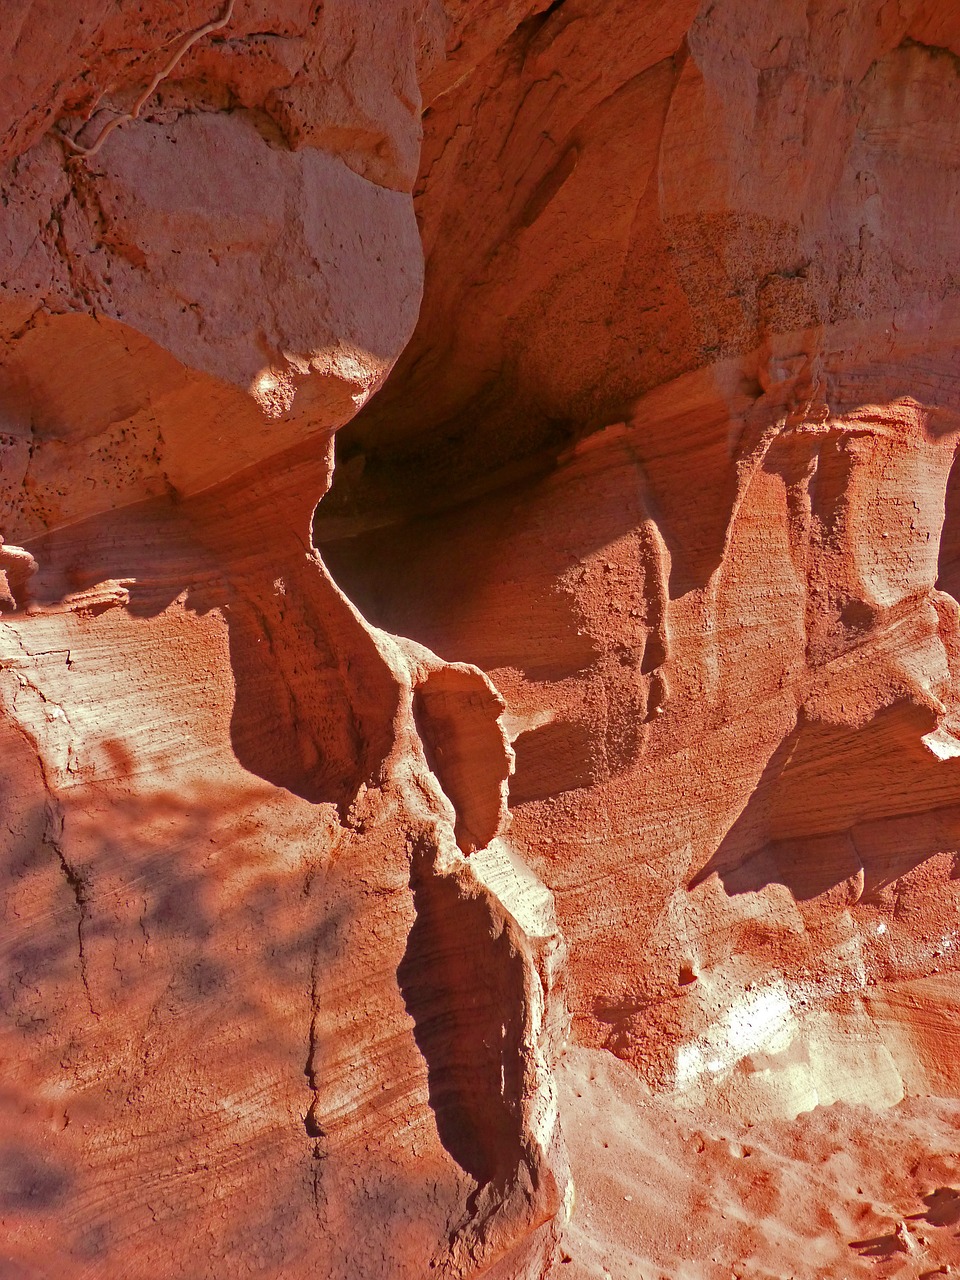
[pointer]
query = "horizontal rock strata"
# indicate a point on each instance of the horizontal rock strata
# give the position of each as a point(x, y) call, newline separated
point(598, 681)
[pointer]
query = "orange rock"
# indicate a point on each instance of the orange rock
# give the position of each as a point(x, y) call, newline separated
point(638, 327)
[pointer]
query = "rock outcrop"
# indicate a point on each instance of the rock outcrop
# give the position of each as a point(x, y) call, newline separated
point(278, 993)
point(636, 328)
point(690, 355)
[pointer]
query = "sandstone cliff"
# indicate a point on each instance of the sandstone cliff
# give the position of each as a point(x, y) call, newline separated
point(584, 770)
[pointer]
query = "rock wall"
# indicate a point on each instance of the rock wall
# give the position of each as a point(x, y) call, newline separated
point(643, 321)
point(278, 996)
point(688, 350)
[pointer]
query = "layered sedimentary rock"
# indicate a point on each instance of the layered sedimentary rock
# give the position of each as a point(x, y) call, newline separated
point(695, 366)
point(664, 471)
point(278, 994)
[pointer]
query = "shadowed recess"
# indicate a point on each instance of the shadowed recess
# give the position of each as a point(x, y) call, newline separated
point(551, 759)
point(462, 983)
point(948, 577)
point(837, 805)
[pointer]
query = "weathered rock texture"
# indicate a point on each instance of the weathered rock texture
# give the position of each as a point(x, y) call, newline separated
point(278, 996)
point(663, 470)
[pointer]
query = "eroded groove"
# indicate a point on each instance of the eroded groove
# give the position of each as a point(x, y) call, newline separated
point(53, 836)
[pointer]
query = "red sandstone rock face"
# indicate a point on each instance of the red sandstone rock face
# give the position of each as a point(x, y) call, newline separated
point(278, 996)
point(664, 471)
point(715, 615)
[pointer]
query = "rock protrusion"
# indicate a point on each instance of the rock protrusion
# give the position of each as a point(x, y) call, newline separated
point(17, 567)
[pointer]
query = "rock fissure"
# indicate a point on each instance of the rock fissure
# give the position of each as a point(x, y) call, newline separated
point(54, 820)
point(80, 892)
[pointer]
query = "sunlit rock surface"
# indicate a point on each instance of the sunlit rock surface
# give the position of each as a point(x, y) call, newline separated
point(636, 327)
